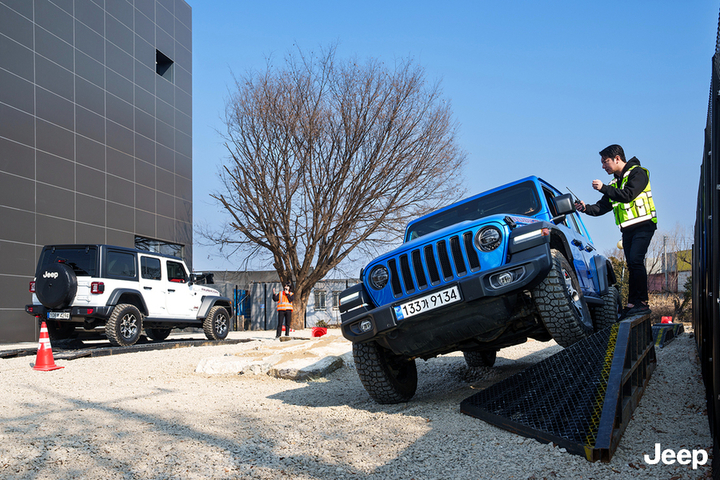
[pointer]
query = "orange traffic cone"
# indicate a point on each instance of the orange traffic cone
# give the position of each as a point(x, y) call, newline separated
point(44, 360)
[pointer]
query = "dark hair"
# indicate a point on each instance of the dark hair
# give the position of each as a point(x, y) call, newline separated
point(287, 284)
point(613, 151)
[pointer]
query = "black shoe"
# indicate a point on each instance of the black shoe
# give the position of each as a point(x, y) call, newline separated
point(639, 309)
point(623, 313)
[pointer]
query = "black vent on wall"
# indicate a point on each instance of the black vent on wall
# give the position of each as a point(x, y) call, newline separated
point(163, 65)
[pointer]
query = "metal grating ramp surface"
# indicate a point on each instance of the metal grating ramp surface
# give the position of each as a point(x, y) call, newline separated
point(578, 395)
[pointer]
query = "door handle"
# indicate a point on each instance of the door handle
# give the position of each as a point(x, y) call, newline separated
point(170, 290)
point(147, 288)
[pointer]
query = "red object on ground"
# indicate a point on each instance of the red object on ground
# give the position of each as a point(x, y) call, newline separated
point(319, 331)
point(666, 320)
point(283, 329)
point(44, 360)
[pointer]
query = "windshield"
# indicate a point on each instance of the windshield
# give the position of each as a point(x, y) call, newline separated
point(520, 199)
point(83, 260)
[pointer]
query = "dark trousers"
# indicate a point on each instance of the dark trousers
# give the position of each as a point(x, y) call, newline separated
point(635, 245)
point(284, 315)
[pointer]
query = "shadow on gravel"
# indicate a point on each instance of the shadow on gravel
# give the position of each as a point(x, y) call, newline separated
point(443, 383)
point(444, 379)
point(117, 442)
point(81, 438)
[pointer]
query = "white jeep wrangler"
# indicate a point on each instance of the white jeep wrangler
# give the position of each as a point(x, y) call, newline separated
point(125, 290)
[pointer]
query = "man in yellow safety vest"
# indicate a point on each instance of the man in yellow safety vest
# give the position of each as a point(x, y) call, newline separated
point(629, 196)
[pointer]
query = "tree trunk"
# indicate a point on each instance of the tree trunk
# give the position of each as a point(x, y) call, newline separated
point(299, 306)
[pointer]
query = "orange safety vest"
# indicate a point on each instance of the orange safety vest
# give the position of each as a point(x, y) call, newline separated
point(283, 302)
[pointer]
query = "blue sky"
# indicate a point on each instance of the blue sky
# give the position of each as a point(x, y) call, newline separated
point(538, 88)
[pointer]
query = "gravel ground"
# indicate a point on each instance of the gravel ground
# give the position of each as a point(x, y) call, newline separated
point(148, 415)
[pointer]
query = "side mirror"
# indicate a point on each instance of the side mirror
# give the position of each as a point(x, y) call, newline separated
point(193, 279)
point(563, 206)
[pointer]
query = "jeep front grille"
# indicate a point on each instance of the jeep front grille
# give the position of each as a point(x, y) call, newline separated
point(430, 265)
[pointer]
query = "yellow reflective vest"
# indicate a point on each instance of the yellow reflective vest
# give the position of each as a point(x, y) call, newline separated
point(639, 209)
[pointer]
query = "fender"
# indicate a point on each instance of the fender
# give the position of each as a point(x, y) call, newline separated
point(211, 301)
point(612, 279)
point(117, 293)
point(600, 264)
point(556, 239)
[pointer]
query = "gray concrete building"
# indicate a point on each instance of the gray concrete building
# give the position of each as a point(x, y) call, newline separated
point(95, 134)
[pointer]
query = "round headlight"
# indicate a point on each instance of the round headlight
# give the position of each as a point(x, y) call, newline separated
point(488, 239)
point(379, 277)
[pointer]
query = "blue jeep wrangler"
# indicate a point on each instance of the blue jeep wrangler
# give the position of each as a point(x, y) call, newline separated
point(488, 272)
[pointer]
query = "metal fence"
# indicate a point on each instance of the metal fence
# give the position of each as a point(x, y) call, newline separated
point(706, 258)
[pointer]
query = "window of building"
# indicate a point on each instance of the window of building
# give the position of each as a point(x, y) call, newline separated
point(335, 300)
point(158, 246)
point(320, 300)
point(150, 268)
point(163, 65)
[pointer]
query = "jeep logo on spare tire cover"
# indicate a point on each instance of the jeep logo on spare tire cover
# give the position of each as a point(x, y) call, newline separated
point(57, 285)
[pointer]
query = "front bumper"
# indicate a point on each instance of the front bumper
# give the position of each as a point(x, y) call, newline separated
point(484, 306)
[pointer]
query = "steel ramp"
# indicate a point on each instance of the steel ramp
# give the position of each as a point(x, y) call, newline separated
point(581, 398)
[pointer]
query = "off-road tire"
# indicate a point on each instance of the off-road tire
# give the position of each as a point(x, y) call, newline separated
point(561, 304)
point(56, 285)
point(606, 314)
point(217, 324)
point(157, 334)
point(124, 326)
point(480, 359)
point(387, 377)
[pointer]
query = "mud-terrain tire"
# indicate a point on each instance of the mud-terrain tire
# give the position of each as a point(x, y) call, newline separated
point(157, 334)
point(387, 377)
point(56, 285)
point(480, 359)
point(561, 303)
point(216, 324)
point(606, 314)
point(124, 326)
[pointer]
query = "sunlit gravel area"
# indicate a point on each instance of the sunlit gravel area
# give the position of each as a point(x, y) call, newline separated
point(150, 416)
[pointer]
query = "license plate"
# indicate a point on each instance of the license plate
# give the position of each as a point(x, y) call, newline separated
point(427, 303)
point(59, 315)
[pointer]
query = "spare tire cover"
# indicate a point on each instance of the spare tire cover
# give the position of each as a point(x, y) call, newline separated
point(56, 285)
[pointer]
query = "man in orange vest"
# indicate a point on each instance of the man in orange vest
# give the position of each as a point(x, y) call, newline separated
point(284, 309)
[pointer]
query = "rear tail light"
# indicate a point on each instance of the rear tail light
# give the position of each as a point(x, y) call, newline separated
point(32, 286)
point(97, 288)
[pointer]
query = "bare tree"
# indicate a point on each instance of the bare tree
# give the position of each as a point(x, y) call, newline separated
point(328, 156)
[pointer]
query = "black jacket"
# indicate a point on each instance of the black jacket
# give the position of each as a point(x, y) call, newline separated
point(636, 183)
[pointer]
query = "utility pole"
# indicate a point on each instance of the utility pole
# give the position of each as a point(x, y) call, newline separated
point(665, 265)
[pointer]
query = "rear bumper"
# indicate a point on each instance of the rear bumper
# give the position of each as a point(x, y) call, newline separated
point(76, 314)
point(484, 307)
